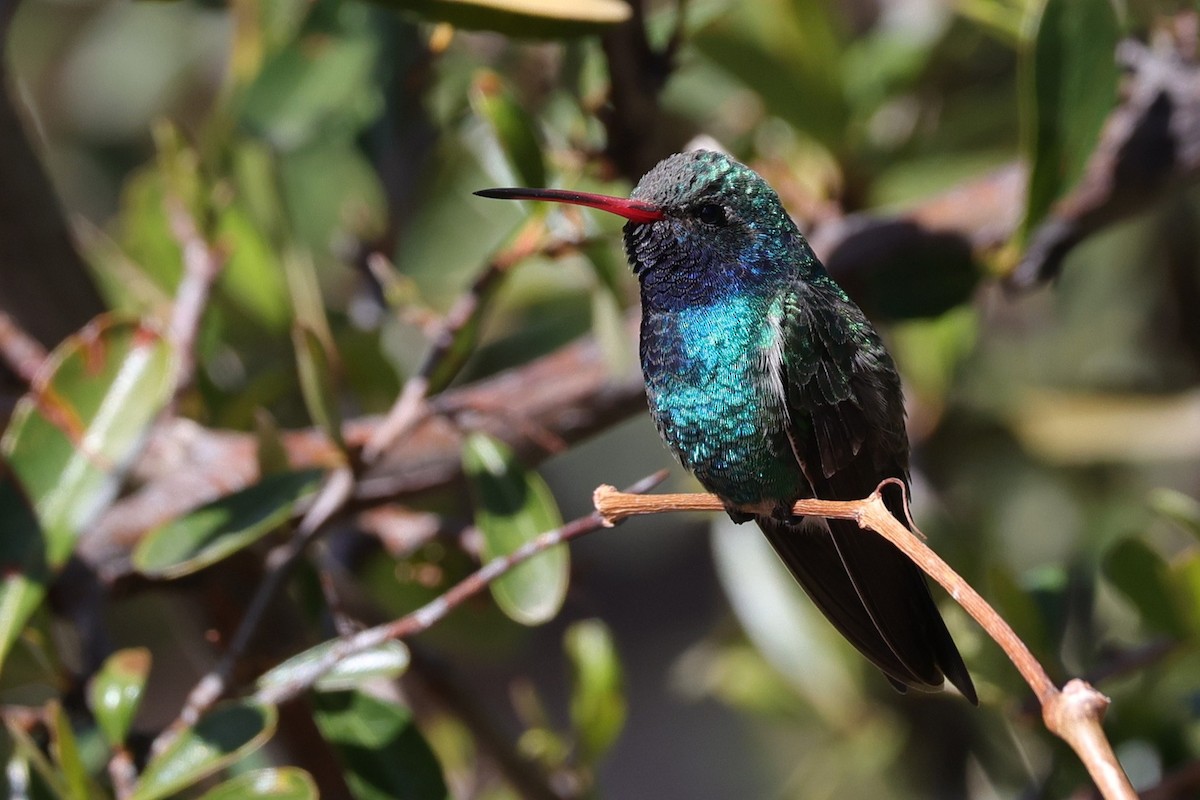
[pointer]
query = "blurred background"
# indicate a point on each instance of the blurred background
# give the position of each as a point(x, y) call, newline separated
point(1005, 186)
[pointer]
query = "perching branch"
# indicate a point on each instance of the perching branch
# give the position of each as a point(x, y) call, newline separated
point(1073, 714)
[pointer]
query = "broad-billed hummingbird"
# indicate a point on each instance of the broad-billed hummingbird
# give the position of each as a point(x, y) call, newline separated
point(770, 385)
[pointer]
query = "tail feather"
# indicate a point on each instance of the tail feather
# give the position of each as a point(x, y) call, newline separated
point(875, 597)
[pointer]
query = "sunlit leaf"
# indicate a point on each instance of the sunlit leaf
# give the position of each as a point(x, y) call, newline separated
point(280, 783)
point(1068, 76)
point(538, 18)
point(493, 102)
point(512, 506)
point(220, 528)
point(252, 276)
point(70, 442)
point(1143, 577)
point(74, 435)
point(387, 661)
point(383, 755)
point(115, 692)
point(597, 698)
point(222, 737)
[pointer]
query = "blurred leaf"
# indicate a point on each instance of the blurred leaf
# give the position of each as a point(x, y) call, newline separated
point(1068, 76)
point(65, 748)
point(76, 432)
point(1177, 507)
point(1143, 577)
point(494, 102)
point(219, 529)
point(333, 197)
point(788, 52)
point(115, 692)
point(252, 277)
point(1185, 576)
point(597, 700)
point(69, 443)
point(382, 752)
point(279, 783)
point(316, 383)
point(223, 736)
point(317, 86)
point(388, 661)
point(538, 18)
point(513, 506)
point(22, 562)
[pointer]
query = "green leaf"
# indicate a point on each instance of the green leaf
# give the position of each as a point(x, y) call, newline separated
point(69, 444)
point(536, 18)
point(513, 128)
point(65, 748)
point(317, 86)
point(597, 700)
point(220, 528)
point(512, 506)
point(222, 737)
point(1185, 577)
point(75, 434)
point(1143, 577)
point(789, 53)
point(115, 692)
point(1068, 79)
point(22, 562)
point(280, 783)
point(383, 754)
point(317, 384)
point(388, 660)
point(253, 276)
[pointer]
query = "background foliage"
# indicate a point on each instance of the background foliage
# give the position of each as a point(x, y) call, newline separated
point(313, 163)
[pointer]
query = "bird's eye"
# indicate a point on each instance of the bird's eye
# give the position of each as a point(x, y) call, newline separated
point(712, 214)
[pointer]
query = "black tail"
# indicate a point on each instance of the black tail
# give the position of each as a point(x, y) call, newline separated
point(875, 597)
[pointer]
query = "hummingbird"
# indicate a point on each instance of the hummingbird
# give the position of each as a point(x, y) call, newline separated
point(770, 385)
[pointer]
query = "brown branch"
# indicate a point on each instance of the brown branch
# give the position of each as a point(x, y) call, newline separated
point(436, 610)
point(1073, 714)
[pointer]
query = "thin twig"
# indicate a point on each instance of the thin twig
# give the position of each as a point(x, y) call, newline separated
point(449, 345)
point(1073, 714)
point(435, 610)
point(202, 263)
point(21, 352)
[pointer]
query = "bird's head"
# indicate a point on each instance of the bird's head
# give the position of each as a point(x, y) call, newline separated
point(701, 226)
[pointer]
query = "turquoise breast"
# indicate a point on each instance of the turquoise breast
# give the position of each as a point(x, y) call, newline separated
point(713, 379)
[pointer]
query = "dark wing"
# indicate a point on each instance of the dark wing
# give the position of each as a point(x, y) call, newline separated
point(847, 431)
